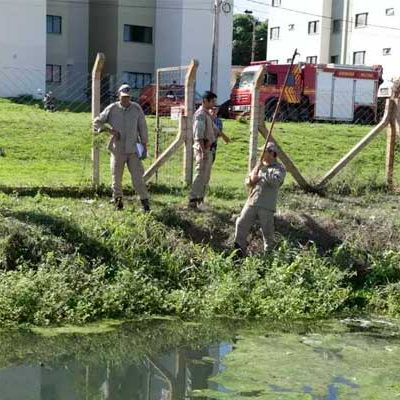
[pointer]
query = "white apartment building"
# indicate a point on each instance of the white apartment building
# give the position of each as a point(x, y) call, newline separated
point(361, 32)
point(22, 47)
point(56, 43)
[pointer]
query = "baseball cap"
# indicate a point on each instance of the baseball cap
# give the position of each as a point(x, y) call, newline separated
point(271, 146)
point(124, 90)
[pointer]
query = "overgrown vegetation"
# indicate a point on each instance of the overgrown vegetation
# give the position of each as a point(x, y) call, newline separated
point(67, 257)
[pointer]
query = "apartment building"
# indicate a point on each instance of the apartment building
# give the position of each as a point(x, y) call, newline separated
point(22, 47)
point(57, 41)
point(67, 30)
point(336, 31)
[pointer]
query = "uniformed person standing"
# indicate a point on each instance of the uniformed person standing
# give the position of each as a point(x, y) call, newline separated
point(127, 126)
point(204, 136)
point(264, 182)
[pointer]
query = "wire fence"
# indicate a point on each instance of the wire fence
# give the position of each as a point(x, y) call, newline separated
point(46, 129)
point(52, 148)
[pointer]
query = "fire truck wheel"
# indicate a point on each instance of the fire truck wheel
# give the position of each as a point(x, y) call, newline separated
point(364, 116)
point(270, 109)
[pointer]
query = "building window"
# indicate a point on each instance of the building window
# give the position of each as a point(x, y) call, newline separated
point(313, 27)
point(139, 34)
point(53, 73)
point(137, 80)
point(273, 61)
point(291, 27)
point(361, 20)
point(53, 24)
point(274, 34)
point(359, 57)
point(311, 59)
point(276, 3)
point(387, 51)
point(334, 59)
point(390, 12)
point(337, 26)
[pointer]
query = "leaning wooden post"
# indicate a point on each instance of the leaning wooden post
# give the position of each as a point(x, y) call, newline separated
point(391, 144)
point(96, 104)
point(254, 117)
point(190, 89)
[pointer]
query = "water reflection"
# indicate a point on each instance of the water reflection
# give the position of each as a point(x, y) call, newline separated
point(173, 375)
point(172, 361)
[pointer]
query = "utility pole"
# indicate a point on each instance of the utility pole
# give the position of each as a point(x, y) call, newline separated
point(253, 42)
point(215, 44)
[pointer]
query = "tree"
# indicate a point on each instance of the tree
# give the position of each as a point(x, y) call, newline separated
point(242, 39)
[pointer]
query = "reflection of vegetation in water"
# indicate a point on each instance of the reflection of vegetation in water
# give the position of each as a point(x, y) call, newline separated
point(267, 365)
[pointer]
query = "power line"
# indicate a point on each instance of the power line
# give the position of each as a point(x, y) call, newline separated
point(320, 16)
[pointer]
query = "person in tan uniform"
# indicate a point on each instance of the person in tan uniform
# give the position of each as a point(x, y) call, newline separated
point(204, 136)
point(264, 182)
point(126, 123)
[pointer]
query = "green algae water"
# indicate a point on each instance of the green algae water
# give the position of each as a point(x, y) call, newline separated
point(169, 359)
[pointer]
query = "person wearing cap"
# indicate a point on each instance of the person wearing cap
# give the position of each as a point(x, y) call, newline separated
point(264, 181)
point(204, 136)
point(126, 123)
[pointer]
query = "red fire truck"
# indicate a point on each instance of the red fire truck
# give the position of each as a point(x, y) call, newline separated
point(329, 92)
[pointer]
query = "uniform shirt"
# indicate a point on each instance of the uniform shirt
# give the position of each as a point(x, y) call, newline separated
point(265, 192)
point(129, 122)
point(203, 127)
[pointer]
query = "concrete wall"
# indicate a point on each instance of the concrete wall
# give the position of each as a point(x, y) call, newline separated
point(22, 47)
point(70, 49)
point(103, 33)
point(190, 36)
point(136, 57)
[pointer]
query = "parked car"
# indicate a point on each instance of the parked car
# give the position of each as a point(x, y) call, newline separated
point(169, 96)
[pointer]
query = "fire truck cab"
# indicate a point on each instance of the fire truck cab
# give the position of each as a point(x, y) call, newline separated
point(329, 92)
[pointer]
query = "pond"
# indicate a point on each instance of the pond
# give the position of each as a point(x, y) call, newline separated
point(169, 359)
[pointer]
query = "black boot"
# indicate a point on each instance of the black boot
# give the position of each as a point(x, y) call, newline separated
point(146, 205)
point(193, 204)
point(239, 253)
point(118, 203)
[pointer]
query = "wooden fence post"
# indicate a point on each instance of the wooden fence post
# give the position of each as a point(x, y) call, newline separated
point(255, 117)
point(96, 104)
point(190, 90)
point(391, 136)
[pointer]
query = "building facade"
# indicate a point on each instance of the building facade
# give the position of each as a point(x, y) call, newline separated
point(359, 32)
point(185, 32)
point(22, 47)
point(67, 29)
point(124, 32)
point(57, 41)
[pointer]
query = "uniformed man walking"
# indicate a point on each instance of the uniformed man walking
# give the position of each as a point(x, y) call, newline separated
point(204, 135)
point(126, 123)
point(264, 182)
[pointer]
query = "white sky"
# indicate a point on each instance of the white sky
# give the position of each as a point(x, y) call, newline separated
point(259, 10)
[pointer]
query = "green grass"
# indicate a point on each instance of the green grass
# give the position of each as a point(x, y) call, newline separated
point(67, 257)
point(53, 149)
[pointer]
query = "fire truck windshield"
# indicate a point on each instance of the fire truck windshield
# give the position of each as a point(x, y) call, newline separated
point(246, 79)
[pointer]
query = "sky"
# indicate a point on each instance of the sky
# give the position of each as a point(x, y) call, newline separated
point(259, 10)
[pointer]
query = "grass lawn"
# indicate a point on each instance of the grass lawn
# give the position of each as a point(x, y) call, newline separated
point(53, 149)
point(67, 257)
